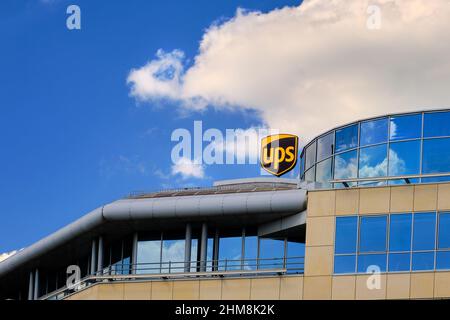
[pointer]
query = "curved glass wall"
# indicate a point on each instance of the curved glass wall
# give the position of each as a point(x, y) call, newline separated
point(395, 149)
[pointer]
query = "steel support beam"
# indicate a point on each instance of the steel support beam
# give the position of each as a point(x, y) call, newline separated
point(36, 284)
point(188, 248)
point(93, 256)
point(203, 247)
point(134, 253)
point(31, 286)
point(100, 256)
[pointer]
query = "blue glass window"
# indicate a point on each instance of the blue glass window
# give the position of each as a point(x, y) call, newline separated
point(251, 251)
point(423, 261)
point(367, 260)
point(346, 234)
point(399, 261)
point(372, 235)
point(230, 249)
point(271, 251)
point(436, 155)
point(444, 231)
point(436, 124)
point(424, 231)
point(310, 156)
point(323, 174)
point(406, 127)
point(373, 161)
point(400, 232)
point(443, 260)
point(375, 131)
point(346, 165)
point(404, 158)
point(347, 138)
point(310, 175)
point(325, 146)
point(345, 264)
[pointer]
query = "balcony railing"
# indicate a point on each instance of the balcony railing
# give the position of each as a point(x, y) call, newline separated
point(183, 270)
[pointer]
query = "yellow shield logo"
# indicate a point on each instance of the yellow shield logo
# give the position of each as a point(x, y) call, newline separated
point(279, 153)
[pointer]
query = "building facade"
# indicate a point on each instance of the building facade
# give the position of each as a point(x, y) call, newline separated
point(368, 219)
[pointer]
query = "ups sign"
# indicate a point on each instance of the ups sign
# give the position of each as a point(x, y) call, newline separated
point(279, 153)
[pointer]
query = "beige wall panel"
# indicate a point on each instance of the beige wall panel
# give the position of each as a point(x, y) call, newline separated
point(291, 288)
point(137, 291)
point(210, 289)
point(402, 199)
point(425, 197)
point(321, 203)
point(265, 288)
point(347, 202)
point(364, 293)
point(442, 285)
point(186, 290)
point(343, 288)
point(236, 289)
point(110, 291)
point(320, 231)
point(88, 294)
point(318, 261)
point(444, 196)
point(162, 290)
point(374, 200)
point(317, 288)
point(398, 286)
point(422, 285)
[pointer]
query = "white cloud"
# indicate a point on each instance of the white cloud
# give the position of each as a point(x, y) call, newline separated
point(188, 168)
point(313, 67)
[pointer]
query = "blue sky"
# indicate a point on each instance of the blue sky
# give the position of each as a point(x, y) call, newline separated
point(72, 138)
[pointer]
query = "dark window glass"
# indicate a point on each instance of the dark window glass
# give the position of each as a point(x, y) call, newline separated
point(399, 261)
point(424, 231)
point(345, 264)
point(436, 124)
point(347, 138)
point(444, 231)
point(310, 175)
point(406, 127)
point(323, 172)
point(369, 260)
point(310, 157)
point(373, 161)
point(271, 251)
point(375, 131)
point(346, 234)
point(400, 232)
point(443, 260)
point(346, 165)
point(436, 155)
point(422, 261)
point(404, 158)
point(372, 235)
point(325, 146)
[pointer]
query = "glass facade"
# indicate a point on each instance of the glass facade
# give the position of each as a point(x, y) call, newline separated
point(401, 242)
point(410, 146)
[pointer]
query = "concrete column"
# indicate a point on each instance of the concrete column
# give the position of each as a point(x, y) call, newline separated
point(203, 247)
point(243, 249)
point(134, 253)
point(36, 284)
point(100, 256)
point(188, 248)
point(31, 286)
point(216, 251)
point(93, 257)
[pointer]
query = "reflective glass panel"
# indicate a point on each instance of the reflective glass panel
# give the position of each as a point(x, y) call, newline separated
point(346, 234)
point(372, 237)
point(347, 138)
point(345, 264)
point(400, 232)
point(310, 157)
point(251, 252)
point(271, 253)
point(436, 124)
point(173, 252)
point(370, 260)
point(443, 260)
point(404, 158)
point(295, 261)
point(424, 231)
point(406, 127)
point(325, 146)
point(375, 131)
point(310, 175)
point(323, 174)
point(346, 165)
point(373, 162)
point(399, 261)
point(149, 256)
point(422, 261)
point(436, 156)
point(230, 249)
point(444, 231)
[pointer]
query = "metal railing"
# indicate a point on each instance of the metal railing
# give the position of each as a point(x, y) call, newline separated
point(183, 270)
